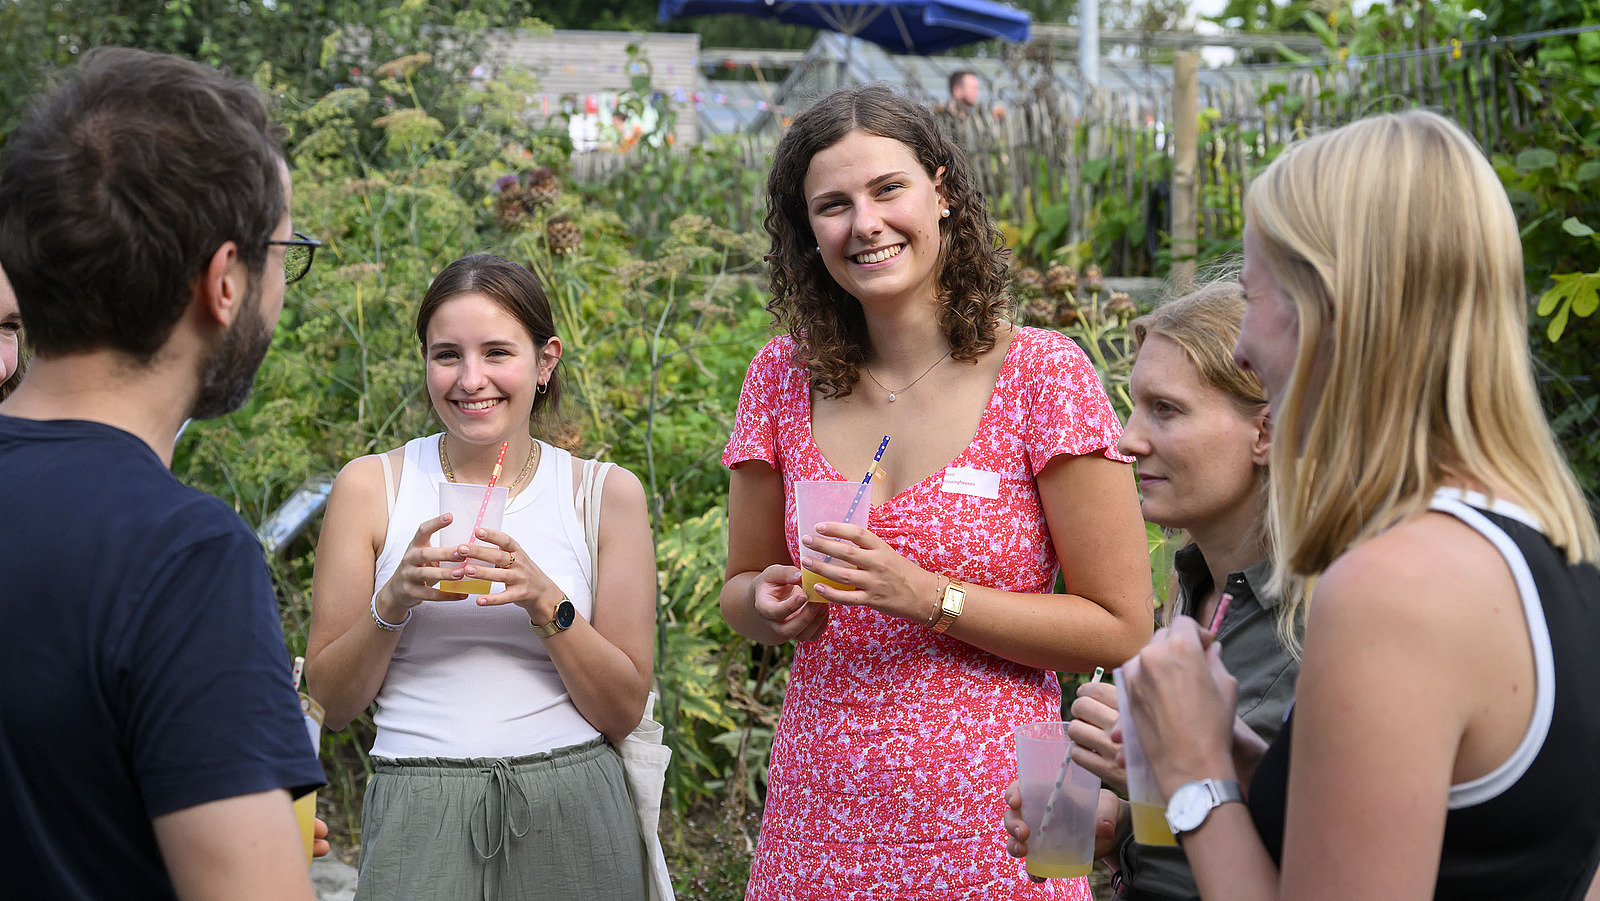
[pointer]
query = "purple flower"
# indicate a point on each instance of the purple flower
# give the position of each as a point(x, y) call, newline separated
point(505, 183)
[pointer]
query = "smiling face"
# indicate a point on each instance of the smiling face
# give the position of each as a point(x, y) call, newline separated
point(1199, 455)
point(875, 215)
point(483, 369)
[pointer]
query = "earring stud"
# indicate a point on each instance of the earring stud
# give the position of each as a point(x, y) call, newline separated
point(944, 213)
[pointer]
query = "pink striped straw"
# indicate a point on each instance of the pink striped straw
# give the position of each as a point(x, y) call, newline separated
point(1222, 610)
point(493, 477)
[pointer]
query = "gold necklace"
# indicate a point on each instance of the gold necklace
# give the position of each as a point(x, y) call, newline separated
point(527, 468)
point(868, 370)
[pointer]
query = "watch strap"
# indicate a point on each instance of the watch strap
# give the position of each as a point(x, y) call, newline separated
point(1217, 792)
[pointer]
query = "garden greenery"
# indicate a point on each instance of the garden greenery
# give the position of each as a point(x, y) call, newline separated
point(656, 280)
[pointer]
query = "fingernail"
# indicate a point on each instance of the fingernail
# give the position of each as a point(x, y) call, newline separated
point(470, 571)
point(483, 533)
point(449, 517)
point(462, 551)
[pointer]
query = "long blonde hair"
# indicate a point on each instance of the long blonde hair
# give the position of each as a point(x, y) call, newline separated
point(1396, 245)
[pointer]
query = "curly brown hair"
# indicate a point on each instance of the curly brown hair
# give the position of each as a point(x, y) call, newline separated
point(825, 321)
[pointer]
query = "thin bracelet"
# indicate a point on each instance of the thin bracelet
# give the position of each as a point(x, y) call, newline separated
point(387, 626)
point(938, 598)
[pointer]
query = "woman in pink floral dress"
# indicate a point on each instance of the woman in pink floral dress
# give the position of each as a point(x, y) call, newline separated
point(894, 748)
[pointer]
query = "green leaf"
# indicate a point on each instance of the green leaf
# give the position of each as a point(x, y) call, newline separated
point(1586, 299)
point(1589, 171)
point(1575, 227)
point(1535, 158)
point(1557, 325)
point(1561, 292)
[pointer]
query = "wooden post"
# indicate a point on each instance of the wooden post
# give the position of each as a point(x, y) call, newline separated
point(1185, 190)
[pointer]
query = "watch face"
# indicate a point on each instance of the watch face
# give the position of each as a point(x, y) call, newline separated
point(1188, 807)
point(565, 614)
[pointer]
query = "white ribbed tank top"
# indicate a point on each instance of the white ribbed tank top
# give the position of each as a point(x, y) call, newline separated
point(470, 681)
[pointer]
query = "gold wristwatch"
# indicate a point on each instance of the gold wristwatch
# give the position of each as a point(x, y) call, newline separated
point(565, 615)
point(950, 604)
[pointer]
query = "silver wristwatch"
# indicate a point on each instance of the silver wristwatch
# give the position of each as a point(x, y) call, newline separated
point(1194, 801)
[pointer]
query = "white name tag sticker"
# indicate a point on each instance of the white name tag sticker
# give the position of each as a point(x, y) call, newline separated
point(976, 482)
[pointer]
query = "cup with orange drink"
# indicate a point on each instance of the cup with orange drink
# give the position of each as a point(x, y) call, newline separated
point(1058, 802)
point(463, 502)
point(1144, 795)
point(305, 807)
point(819, 502)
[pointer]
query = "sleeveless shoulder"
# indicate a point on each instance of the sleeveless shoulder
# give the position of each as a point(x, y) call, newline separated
point(1066, 410)
point(769, 386)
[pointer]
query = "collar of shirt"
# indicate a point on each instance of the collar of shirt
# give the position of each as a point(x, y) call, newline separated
point(1194, 579)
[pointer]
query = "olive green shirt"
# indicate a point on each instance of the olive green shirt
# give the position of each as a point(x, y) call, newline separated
point(1266, 673)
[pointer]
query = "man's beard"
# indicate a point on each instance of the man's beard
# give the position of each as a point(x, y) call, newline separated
point(229, 371)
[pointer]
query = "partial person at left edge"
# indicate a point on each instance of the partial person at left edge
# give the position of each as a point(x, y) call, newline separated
point(13, 361)
point(150, 737)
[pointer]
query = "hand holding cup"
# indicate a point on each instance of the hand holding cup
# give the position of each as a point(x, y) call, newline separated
point(1094, 716)
point(422, 566)
point(777, 597)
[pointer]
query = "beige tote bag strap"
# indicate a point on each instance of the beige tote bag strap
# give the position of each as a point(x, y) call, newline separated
point(590, 488)
point(389, 489)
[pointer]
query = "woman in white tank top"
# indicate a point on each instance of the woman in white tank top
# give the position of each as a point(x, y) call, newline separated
point(494, 773)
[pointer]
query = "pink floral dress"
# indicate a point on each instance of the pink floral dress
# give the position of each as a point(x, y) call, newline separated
point(894, 748)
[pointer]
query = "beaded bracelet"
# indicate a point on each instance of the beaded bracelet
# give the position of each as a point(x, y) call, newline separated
point(942, 583)
point(387, 626)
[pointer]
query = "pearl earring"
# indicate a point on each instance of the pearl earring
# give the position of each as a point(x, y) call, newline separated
point(819, 248)
point(944, 213)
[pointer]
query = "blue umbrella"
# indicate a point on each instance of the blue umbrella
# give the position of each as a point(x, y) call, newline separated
point(900, 26)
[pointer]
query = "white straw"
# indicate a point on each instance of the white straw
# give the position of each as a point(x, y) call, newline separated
point(1050, 805)
point(299, 667)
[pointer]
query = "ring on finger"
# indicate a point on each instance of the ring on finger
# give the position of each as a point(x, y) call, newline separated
point(513, 561)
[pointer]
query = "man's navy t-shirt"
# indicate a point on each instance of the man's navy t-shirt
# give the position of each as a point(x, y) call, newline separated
point(143, 669)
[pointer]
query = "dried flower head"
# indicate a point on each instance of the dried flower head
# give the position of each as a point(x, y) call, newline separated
point(1059, 279)
point(1092, 279)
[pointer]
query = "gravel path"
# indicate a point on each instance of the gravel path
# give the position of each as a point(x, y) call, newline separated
point(333, 879)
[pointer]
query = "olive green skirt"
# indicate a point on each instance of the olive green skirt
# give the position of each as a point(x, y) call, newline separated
point(558, 825)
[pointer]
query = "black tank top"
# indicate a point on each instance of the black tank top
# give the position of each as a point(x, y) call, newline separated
point(1531, 828)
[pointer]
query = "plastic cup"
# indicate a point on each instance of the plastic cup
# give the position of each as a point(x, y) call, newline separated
point(305, 807)
point(1144, 796)
point(462, 502)
point(1058, 802)
point(818, 502)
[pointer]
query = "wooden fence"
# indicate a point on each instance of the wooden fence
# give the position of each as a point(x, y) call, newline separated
point(1248, 122)
point(1077, 165)
point(1096, 166)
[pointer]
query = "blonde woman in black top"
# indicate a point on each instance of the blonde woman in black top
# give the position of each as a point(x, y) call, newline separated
point(1448, 709)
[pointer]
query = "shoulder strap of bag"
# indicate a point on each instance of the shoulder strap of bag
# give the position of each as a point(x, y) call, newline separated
point(590, 488)
point(388, 483)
